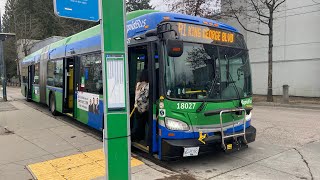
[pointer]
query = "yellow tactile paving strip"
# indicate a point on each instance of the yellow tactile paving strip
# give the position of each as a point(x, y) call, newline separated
point(87, 165)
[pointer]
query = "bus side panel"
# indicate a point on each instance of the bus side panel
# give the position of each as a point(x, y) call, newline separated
point(36, 93)
point(24, 89)
point(58, 98)
point(81, 115)
point(47, 95)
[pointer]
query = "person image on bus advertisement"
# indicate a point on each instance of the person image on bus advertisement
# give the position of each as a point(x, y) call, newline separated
point(141, 105)
point(90, 106)
point(95, 105)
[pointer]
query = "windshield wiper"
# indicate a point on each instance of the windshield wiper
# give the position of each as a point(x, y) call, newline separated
point(213, 82)
point(235, 86)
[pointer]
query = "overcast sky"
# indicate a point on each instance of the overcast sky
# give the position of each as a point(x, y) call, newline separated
point(2, 4)
point(159, 5)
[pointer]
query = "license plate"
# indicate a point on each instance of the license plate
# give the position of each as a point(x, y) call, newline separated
point(191, 151)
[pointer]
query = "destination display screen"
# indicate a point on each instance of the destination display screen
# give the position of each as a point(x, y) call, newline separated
point(210, 35)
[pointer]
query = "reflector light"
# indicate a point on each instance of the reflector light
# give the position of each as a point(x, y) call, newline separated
point(176, 49)
point(166, 18)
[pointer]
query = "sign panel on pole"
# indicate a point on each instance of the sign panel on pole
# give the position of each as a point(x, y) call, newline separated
point(87, 10)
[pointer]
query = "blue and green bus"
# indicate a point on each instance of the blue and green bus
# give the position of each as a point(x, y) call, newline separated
point(200, 97)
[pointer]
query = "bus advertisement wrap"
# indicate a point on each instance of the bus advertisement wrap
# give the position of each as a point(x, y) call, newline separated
point(88, 102)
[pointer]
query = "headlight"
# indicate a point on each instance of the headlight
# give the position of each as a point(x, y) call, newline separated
point(176, 125)
point(248, 117)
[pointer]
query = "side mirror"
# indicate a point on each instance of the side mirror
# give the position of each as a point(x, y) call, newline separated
point(174, 47)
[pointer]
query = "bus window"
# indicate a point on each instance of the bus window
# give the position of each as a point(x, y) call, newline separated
point(36, 73)
point(91, 73)
point(55, 73)
point(24, 74)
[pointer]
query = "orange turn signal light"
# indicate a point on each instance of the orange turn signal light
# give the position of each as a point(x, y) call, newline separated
point(176, 49)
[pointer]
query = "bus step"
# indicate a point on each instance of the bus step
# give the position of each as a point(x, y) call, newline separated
point(236, 145)
point(140, 146)
point(69, 114)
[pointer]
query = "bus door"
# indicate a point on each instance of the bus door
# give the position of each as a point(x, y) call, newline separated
point(141, 57)
point(68, 88)
point(76, 83)
point(30, 81)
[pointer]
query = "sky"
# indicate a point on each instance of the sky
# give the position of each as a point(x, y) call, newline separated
point(2, 4)
point(159, 5)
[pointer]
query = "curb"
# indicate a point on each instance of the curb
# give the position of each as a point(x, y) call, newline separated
point(300, 106)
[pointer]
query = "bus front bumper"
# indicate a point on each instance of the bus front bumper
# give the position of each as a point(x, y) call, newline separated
point(173, 149)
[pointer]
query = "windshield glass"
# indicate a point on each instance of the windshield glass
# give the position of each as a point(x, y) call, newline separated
point(206, 71)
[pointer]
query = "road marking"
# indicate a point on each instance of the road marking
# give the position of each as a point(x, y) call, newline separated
point(87, 165)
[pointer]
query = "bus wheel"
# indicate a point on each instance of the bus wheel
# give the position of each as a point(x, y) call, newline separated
point(53, 105)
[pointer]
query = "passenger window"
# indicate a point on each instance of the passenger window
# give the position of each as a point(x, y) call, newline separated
point(36, 73)
point(91, 73)
point(24, 74)
point(55, 73)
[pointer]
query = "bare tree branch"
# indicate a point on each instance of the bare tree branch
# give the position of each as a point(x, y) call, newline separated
point(279, 4)
point(257, 10)
point(242, 25)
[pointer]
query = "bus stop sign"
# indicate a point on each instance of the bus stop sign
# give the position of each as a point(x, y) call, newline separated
point(87, 10)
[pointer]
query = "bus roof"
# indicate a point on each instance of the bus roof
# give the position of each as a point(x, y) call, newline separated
point(138, 23)
point(148, 20)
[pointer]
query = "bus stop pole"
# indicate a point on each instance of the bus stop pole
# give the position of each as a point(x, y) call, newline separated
point(4, 74)
point(116, 97)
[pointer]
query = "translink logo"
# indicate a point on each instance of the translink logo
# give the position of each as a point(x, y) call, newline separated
point(136, 25)
point(246, 101)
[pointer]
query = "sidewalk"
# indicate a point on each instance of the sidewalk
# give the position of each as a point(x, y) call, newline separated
point(30, 136)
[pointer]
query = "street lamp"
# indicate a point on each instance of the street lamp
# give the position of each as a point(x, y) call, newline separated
point(3, 37)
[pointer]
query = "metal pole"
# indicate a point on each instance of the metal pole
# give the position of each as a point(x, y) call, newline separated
point(116, 102)
point(4, 74)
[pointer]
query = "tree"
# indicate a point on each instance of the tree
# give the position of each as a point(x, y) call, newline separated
point(203, 8)
point(33, 20)
point(133, 5)
point(262, 13)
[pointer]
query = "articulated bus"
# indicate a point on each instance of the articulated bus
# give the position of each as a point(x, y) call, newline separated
point(200, 90)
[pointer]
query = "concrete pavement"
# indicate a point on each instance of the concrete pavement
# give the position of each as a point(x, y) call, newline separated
point(287, 146)
point(31, 135)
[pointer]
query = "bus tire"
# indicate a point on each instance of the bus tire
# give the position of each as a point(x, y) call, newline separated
point(52, 105)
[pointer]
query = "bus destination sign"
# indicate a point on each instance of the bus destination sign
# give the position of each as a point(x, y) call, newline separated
point(204, 33)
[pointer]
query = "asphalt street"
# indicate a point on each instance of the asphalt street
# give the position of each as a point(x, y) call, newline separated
point(287, 147)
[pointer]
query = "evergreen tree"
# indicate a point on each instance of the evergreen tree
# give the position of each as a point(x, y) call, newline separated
point(133, 5)
point(34, 19)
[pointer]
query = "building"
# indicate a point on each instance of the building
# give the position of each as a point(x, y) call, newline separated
point(28, 46)
point(296, 52)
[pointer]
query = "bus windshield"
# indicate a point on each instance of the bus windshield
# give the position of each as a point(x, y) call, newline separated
point(207, 71)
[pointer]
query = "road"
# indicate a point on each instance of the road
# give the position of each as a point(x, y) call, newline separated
point(287, 147)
